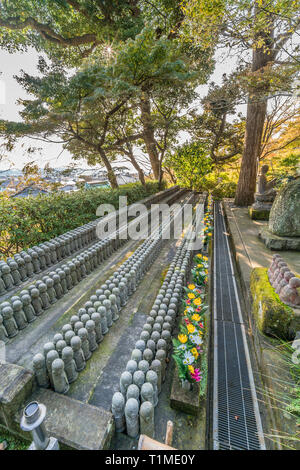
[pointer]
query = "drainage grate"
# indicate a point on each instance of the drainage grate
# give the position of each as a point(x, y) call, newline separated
point(236, 419)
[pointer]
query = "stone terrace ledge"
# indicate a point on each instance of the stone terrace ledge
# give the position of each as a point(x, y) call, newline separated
point(250, 252)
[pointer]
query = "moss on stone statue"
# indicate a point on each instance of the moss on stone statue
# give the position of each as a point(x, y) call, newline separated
point(258, 214)
point(272, 316)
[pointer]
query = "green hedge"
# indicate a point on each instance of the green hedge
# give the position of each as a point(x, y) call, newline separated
point(25, 222)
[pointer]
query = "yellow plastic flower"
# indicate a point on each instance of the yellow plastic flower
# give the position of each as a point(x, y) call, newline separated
point(197, 301)
point(191, 286)
point(191, 369)
point(199, 255)
point(191, 328)
point(182, 338)
point(195, 352)
point(191, 295)
point(205, 258)
point(196, 317)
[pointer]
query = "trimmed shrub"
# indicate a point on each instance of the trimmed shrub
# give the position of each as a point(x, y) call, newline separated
point(25, 222)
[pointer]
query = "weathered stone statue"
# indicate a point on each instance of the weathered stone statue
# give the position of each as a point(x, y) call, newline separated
point(85, 345)
point(59, 377)
point(3, 332)
point(118, 410)
point(70, 365)
point(132, 417)
point(39, 367)
point(78, 353)
point(147, 419)
point(147, 393)
point(133, 391)
point(125, 381)
point(264, 197)
point(283, 232)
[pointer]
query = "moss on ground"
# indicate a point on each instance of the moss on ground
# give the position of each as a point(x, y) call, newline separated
point(272, 316)
point(13, 442)
point(258, 214)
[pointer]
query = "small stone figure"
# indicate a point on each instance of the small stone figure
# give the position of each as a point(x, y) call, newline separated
point(114, 307)
point(28, 308)
point(156, 367)
point(137, 355)
point(19, 314)
point(132, 417)
point(51, 291)
point(9, 322)
point(161, 356)
point(147, 393)
point(98, 330)
point(21, 267)
point(47, 348)
point(57, 286)
point(133, 391)
point(7, 277)
point(60, 345)
point(77, 326)
point(90, 326)
point(50, 358)
point(68, 337)
point(28, 265)
point(3, 332)
point(107, 305)
point(143, 366)
point(102, 312)
point(44, 295)
point(141, 345)
point(60, 380)
point(15, 273)
point(125, 381)
point(85, 345)
point(70, 365)
point(147, 419)
point(118, 410)
point(138, 378)
point(36, 301)
point(152, 378)
point(131, 366)
point(40, 370)
point(289, 294)
point(63, 282)
point(78, 353)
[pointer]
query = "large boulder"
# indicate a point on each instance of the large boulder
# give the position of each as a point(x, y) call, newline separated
point(284, 217)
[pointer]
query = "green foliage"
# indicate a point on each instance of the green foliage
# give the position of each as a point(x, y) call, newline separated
point(190, 164)
point(28, 221)
point(13, 442)
point(272, 316)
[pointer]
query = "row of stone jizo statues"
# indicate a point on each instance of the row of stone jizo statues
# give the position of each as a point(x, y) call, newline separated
point(66, 355)
point(31, 302)
point(27, 263)
point(140, 384)
point(285, 283)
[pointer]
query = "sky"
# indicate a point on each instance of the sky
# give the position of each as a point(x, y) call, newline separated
point(11, 91)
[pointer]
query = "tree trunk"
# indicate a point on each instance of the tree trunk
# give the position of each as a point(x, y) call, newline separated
point(136, 165)
point(148, 135)
point(110, 172)
point(256, 114)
